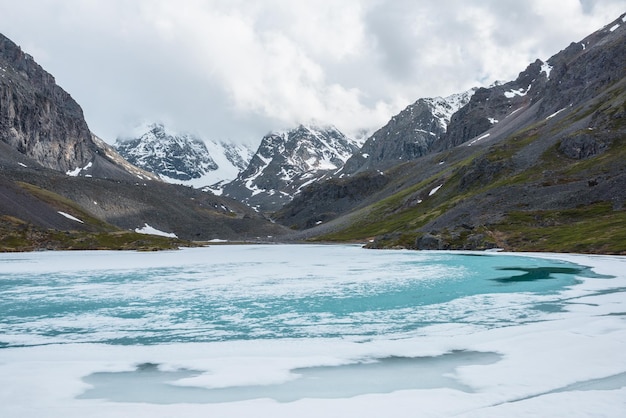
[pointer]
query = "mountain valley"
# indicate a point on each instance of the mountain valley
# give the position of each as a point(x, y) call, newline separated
point(532, 164)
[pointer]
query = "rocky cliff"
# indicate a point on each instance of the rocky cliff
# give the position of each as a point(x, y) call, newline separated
point(42, 121)
point(37, 117)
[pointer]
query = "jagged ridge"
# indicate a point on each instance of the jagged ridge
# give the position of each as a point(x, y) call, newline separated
point(285, 162)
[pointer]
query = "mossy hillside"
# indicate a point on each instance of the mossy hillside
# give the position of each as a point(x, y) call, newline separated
point(393, 224)
point(596, 228)
point(16, 235)
point(405, 212)
point(63, 204)
point(393, 217)
point(588, 229)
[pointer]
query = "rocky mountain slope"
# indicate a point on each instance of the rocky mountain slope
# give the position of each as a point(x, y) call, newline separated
point(285, 162)
point(62, 187)
point(408, 135)
point(184, 158)
point(533, 164)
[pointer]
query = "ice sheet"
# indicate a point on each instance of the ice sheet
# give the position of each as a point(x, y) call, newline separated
point(568, 361)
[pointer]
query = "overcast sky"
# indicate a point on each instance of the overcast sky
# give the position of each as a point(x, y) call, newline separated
point(236, 69)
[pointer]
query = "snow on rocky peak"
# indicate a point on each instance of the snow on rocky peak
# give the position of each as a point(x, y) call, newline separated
point(182, 157)
point(287, 161)
point(443, 108)
point(408, 135)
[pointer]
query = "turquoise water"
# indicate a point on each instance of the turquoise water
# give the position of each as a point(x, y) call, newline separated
point(266, 292)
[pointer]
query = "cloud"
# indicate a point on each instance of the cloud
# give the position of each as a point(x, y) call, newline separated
point(235, 69)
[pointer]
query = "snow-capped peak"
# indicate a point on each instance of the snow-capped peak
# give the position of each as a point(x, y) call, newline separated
point(288, 160)
point(182, 157)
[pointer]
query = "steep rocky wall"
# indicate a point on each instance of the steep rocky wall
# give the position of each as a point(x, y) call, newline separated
point(37, 117)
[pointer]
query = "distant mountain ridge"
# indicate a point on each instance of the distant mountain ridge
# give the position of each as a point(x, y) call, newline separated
point(171, 157)
point(287, 161)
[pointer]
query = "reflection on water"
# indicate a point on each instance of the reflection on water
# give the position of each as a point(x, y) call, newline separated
point(148, 384)
point(532, 274)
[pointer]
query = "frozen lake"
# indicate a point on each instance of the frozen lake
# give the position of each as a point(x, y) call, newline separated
point(311, 330)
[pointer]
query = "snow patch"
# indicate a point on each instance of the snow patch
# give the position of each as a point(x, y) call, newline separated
point(77, 170)
point(435, 190)
point(68, 216)
point(512, 93)
point(148, 230)
point(547, 68)
point(478, 139)
point(22, 164)
point(493, 121)
point(614, 27)
point(444, 107)
point(556, 113)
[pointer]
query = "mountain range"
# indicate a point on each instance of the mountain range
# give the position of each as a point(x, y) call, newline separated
point(536, 163)
point(62, 187)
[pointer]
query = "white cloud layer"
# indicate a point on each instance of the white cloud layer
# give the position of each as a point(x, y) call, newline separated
point(235, 69)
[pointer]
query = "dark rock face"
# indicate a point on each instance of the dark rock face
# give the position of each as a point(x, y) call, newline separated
point(322, 202)
point(430, 242)
point(37, 117)
point(565, 81)
point(41, 121)
point(581, 146)
point(585, 68)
